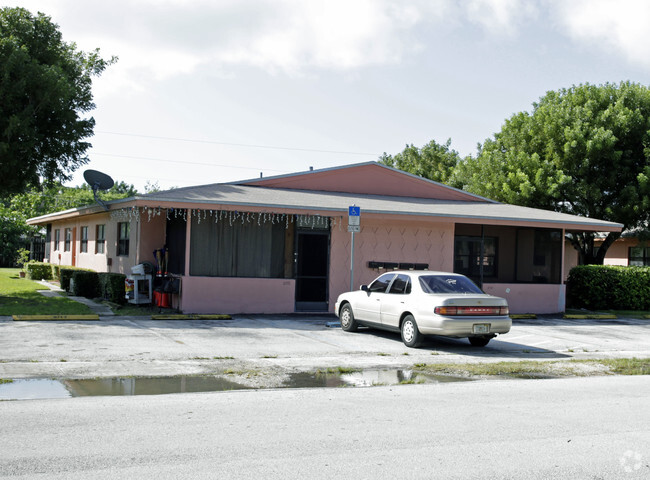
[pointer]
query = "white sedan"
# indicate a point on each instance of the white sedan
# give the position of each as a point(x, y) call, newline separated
point(418, 303)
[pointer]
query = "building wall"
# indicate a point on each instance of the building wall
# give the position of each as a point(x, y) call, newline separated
point(108, 261)
point(397, 241)
point(530, 298)
point(402, 240)
point(151, 237)
point(237, 295)
point(570, 259)
point(618, 253)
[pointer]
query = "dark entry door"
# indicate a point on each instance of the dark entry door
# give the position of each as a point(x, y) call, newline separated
point(176, 234)
point(312, 267)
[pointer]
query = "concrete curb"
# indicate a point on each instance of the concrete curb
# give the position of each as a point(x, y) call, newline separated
point(190, 317)
point(29, 318)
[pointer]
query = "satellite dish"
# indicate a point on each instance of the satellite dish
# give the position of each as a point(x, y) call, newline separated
point(98, 181)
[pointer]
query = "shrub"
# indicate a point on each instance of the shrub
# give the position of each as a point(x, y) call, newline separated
point(609, 287)
point(56, 272)
point(66, 274)
point(39, 270)
point(111, 287)
point(22, 257)
point(86, 284)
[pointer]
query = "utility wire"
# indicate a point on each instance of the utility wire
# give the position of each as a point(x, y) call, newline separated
point(271, 147)
point(184, 162)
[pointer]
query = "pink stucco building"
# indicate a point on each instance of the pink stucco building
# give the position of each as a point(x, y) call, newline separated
point(281, 244)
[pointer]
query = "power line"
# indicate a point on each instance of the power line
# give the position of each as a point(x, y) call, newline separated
point(249, 145)
point(185, 162)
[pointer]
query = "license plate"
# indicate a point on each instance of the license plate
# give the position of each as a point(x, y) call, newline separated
point(481, 328)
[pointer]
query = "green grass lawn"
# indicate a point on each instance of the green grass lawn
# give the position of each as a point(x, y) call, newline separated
point(19, 296)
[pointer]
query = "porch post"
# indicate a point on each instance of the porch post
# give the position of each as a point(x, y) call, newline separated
point(562, 279)
point(188, 237)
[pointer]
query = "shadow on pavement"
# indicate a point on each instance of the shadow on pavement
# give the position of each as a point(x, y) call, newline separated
point(564, 322)
point(498, 347)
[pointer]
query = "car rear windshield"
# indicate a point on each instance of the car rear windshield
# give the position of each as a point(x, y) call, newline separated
point(448, 284)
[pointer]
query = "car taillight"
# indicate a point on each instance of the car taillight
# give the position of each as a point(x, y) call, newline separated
point(469, 311)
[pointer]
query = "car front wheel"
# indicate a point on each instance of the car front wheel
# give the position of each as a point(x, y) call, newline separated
point(479, 341)
point(348, 323)
point(411, 336)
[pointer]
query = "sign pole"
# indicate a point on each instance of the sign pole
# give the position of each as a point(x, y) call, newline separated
point(352, 263)
point(354, 225)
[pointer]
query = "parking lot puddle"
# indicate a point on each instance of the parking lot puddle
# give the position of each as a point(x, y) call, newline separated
point(43, 388)
point(366, 378)
point(29, 389)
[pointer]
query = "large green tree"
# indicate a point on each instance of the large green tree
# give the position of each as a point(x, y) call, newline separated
point(433, 161)
point(584, 150)
point(55, 197)
point(45, 91)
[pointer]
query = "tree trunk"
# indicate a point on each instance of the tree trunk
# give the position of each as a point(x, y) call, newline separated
point(584, 243)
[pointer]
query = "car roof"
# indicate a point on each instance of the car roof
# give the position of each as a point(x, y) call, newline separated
point(420, 273)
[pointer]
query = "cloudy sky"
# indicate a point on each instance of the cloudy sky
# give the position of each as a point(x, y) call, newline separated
point(210, 91)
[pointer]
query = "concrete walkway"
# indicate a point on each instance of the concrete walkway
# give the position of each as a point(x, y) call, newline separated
point(55, 291)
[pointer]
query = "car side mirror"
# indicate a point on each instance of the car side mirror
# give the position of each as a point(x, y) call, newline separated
point(364, 288)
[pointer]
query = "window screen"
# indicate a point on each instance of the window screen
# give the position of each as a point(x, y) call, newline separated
point(240, 249)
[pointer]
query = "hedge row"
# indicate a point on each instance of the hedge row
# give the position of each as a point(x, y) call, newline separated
point(45, 271)
point(39, 271)
point(66, 274)
point(84, 284)
point(111, 287)
point(87, 283)
point(598, 287)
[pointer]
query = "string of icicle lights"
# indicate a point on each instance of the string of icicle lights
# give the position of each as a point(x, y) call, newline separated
point(230, 216)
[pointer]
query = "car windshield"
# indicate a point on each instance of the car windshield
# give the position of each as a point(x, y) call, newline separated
point(454, 284)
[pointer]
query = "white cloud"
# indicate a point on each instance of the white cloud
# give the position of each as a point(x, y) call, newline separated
point(171, 37)
point(158, 39)
point(337, 34)
point(620, 26)
point(500, 17)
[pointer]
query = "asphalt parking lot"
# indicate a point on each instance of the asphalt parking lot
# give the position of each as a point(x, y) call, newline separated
point(115, 346)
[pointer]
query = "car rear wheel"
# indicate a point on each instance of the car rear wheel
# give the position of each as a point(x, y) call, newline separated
point(411, 336)
point(479, 341)
point(348, 323)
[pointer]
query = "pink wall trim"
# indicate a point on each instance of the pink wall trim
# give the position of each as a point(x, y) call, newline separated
point(530, 298)
point(366, 179)
point(238, 295)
